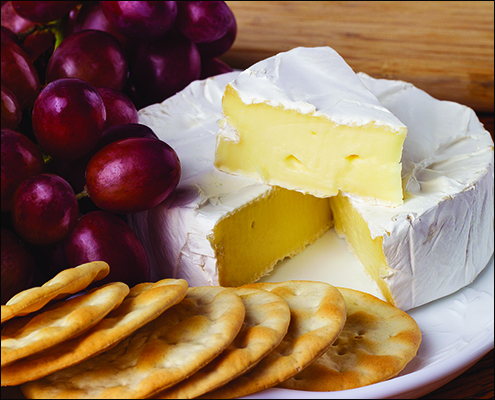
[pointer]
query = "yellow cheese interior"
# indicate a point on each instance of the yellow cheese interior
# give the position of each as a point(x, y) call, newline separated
point(349, 223)
point(310, 154)
point(251, 240)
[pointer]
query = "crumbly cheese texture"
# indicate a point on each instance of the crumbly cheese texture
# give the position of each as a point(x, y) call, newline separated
point(434, 244)
point(303, 120)
point(216, 228)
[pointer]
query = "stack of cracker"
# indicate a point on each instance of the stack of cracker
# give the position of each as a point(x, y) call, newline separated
point(167, 340)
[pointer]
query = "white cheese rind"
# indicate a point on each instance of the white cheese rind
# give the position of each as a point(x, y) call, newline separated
point(441, 238)
point(312, 80)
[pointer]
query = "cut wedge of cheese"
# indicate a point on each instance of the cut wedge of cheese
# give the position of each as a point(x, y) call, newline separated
point(216, 228)
point(434, 244)
point(304, 121)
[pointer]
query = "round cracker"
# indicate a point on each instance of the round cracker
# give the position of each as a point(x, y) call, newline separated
point(67, 282)
point(143, 304)
point(377, 342)
point(163, 352)
point(317, 316)
point(59, 322)
point(266, 323)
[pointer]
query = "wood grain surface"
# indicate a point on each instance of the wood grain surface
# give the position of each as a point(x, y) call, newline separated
point(443, 47)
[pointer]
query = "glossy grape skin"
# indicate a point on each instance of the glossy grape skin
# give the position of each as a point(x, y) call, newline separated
point(212, 67)
point(93, 56)
point(90, 16)
point(140, 19)
point(74, 172)
point(11, 110)
point(69, 116)
point(102, 236)
point(18, 266)
point(21, 159)
point(124, 131)
point(219, 46)
point(43, 11)
point(14, 21)
point(44, 209)
point(203, 21)
point(164, 67)
point(18, 73)
point(132, 175)
point(119, 107)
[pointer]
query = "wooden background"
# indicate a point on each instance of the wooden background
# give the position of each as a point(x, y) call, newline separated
point(443, 47)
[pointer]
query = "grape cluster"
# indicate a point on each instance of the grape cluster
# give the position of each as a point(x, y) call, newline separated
point(75, 160)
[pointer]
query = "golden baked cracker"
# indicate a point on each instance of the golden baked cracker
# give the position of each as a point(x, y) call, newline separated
point(59, 322)
point(266, 323)
point(377, 342)
point(163, 352)
point(67, 282)
point(144, 303)
point(317, 316)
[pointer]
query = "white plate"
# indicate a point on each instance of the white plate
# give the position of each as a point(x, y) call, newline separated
point(457, 330)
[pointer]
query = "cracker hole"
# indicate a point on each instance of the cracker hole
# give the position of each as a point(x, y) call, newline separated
point(352, 157)
point(358, 337)
point(252, 225)
point(342, 351)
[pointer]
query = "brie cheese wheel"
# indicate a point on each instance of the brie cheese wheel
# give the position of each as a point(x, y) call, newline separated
point(303, 120)
point(215, 228)
point(432, 245)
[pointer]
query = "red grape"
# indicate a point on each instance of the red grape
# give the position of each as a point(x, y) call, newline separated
point(90, 16)
point(212, 67)
point(38, 43)
point(18, 266)
point(140, 19)
point(204, 21)
point(220, 46)
point(18, 73)
point(93, 56)
point(120, 109)
point(132, 175)
point(43, 11)
point(21, 158)
point(11, 110)
point(124, 131)
point(102, 236)
point(74, 171)
point(14, 21)
point(68, 118)
point(44, 209)
point(163, 67)
point(7, 32)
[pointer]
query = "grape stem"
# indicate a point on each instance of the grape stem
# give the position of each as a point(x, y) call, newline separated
point(84, 193)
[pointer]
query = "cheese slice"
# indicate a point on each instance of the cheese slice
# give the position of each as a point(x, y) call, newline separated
point(304, 121)
point(216, 228)
point(434, 244)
